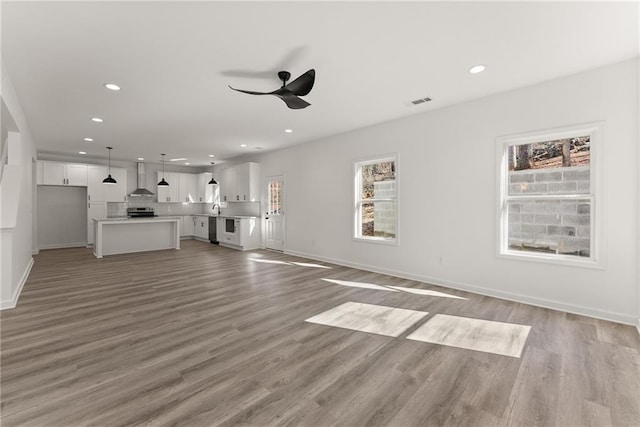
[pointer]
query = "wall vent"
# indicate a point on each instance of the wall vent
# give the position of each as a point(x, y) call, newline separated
point(421, 100)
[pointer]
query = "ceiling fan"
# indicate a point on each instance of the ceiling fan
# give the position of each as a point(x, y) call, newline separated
point(291, 92)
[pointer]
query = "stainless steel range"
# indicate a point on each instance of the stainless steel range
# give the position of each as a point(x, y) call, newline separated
point(140, 212)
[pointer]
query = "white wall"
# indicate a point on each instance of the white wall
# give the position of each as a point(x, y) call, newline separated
point(16, 195)
point(447, 162)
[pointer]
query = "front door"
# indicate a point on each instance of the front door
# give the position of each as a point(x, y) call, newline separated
point(275, 218)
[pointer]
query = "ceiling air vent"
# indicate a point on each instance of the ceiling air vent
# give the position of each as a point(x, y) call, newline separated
point(421, 101)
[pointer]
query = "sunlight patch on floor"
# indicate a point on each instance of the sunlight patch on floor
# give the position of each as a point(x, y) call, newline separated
point(269, 261)
point(418, 291)
point(488, 336)
point(362, 285)
point(308, 264)
point(375, 319)
point(299, 264)
point(388, 288)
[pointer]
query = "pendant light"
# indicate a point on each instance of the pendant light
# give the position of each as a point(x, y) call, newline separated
point(109, 179)
point(212, 181)
point(162, 182)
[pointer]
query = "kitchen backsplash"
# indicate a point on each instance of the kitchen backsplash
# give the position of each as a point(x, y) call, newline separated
point(181, 209)
point(161, 209)
point(236, 208)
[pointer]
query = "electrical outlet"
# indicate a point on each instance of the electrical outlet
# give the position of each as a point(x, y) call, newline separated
point(441, 260)
point(313, 243)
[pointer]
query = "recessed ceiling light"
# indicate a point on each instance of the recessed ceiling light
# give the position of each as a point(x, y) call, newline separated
point(112, 86)
point(82, 152)
point(187, 163)
point(211, 155)
point(97, 119)
point(477, 69)
point(140, 158)
point(179, 159)
point(288, 130)
point(243, 145)
point(89, 139)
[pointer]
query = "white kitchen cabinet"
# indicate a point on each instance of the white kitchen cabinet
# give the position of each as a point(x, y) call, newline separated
point(207, 193)
point(55, 173)
point(201, 228)
point(188, 226)
point(227, 185)
point(116, 192)
point(169, 194)
point(97, 191)
point(94, 210)
point(188, 188)
point(239, 233)
point(240, 183)
point(95, 187)
point(248, 182)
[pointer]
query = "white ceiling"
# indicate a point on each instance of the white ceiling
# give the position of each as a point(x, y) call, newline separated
point(174, 61)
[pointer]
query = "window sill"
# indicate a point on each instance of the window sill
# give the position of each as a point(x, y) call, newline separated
point(564, 260)
point(377, 240)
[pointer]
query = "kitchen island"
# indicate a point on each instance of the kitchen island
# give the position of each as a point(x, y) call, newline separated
point(126, 235)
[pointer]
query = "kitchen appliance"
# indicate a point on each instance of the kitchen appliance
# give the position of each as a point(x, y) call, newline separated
point(141, 191)
point(230, 231)
point(213, 230)
point(140, 212)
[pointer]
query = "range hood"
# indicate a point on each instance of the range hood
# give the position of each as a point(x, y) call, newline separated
point(141, 191)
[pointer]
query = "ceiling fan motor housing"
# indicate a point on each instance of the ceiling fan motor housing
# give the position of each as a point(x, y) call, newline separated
point(284, 76)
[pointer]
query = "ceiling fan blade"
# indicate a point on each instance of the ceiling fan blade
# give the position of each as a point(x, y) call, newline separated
point(250, 92)
point(303, 84)
point(293, 101)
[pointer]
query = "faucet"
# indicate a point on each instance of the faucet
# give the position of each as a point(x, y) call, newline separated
point(213, 208)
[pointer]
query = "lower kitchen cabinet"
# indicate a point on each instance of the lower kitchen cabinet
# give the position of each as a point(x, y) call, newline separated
point(239, 233)
point(187, 226)
point(201, 231)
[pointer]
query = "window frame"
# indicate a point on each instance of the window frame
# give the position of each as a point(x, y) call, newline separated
point(595, 131)
point(357, 201)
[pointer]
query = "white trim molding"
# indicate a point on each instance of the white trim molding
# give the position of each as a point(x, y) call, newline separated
point(6, 304)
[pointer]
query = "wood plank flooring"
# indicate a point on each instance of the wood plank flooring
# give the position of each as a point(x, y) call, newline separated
point(208, 336)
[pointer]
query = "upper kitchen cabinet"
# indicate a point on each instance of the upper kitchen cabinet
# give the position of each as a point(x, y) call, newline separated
point(116, 192)
point(170, 193)
point(188, 188)
point(54, 173)
point(241, 183)
point(97, 191)
point(227, 185)
point(207, 192)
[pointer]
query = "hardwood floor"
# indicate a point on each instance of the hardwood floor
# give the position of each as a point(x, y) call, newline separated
point(210, 336)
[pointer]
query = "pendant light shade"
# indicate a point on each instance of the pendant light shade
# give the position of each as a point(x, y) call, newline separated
point(109, 179)
point(162, 182)
point(212, 181)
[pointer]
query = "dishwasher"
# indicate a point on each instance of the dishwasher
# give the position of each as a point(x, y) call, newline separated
point(213, 230)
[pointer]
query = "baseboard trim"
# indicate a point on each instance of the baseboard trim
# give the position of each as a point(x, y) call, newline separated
point(35, 252)
point(63, 246)
point(16, 294)
point(539, 302)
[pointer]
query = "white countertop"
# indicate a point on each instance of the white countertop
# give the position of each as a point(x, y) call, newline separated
point(226, 216)
point(127, 219)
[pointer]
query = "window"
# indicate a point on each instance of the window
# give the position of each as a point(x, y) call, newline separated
point(376, 209)
point(274, 205)
point(548, 195)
